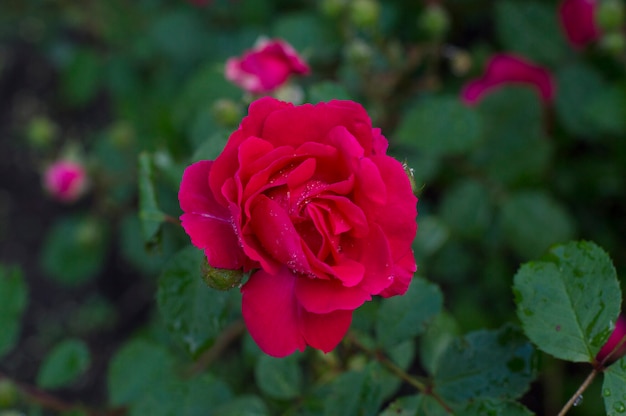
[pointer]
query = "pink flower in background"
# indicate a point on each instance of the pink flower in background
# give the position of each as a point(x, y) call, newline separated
point(577, 19)
point(308, 200)
point(507, 69)
point(65, 180)
point(612, 350)
point(266, 67)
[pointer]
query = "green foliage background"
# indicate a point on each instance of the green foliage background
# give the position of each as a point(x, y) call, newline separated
point(102, 303)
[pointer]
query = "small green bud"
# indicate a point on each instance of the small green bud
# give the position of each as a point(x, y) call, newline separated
point(614, 43)
point(434, 21)
point(364, 14)
point(88, 233)
point(41, 132)
point(221, 279)
point(359, 52)
point(610, 15)
point(122, 134)
point(8, 394)
point(333, 8)
point(227, 112)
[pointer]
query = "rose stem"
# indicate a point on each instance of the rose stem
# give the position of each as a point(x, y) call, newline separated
point(579, 392)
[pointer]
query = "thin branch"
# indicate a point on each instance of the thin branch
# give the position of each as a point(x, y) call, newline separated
point(423, 387)
point(227, 337)
point(579, 392)
point(51, 402)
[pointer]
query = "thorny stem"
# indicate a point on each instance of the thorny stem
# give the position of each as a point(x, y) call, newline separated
point(579, 392)
point(423, 387)
point(48, 401)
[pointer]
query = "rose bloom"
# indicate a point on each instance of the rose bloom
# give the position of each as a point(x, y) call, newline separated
point(306, 199)
point(615, 346)
point(578, 21)
point(65, 180)
point(266, 67)
point(507, 69)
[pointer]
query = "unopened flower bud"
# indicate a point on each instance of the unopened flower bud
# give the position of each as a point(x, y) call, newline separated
point(226, 112)
point(333, 8)
point(65, 180)
point(359, 52)
point(221, 279)
point(610, 15)
point(41, 131)
point(364, 14)
point(615, 346)
point(613, 43)
point(434, 21)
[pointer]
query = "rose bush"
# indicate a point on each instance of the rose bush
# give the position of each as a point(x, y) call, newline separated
point(266, 67)
point(306, 199)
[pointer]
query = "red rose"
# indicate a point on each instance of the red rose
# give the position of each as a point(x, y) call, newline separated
point(65, 180)
point(306, 198)
point(615, 346)
point(266, 67)
point(506, 69)
point(578, 21)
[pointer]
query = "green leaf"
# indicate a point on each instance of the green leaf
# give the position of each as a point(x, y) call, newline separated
point(149, 213)
point(495, 408)
point(404, 406)
point(432, 235)
point(13, 300)
point(74, 249)
point(243, 405)
point(579, 86)
point(440, 125)
point(530, 28)
point(81, 79)
point(194, 313)
point(198, 396)
point(614, 388)
point(485, 364)
point(435, 341)
point(353, 393)
point(181, 36)
point(308, 33)
point(515, 148)
point(279, 378)
point(135, 368)
point(64, 364)
point(567, 301)
point(401, 318)
point(607, 110)
point(466, 209)
point(532, 221)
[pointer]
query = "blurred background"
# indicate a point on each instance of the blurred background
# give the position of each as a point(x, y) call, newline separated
point(100, 82)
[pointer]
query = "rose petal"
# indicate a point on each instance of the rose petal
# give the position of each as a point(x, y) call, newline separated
point(271, 313)
point(273, 228)
point(325, 331)
point(208, 223)
point(324, 296)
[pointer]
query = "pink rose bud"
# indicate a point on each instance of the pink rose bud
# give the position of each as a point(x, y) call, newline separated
point(65, 180)
point(615, 346)
point(577, 19)
point(266, 67)
point(507, 69)
point(301, 198)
